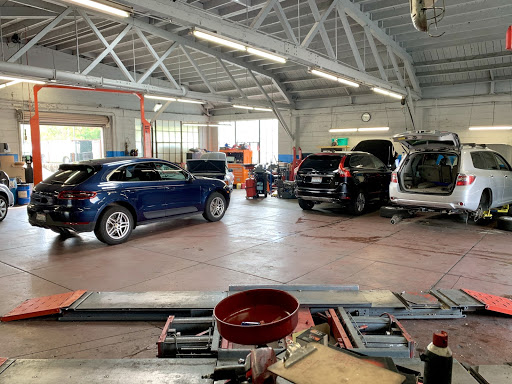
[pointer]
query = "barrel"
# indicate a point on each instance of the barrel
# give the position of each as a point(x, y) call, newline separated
point(23, 194)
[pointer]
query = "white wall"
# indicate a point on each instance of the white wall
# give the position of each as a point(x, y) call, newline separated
point(450, 114)
point(122, 109)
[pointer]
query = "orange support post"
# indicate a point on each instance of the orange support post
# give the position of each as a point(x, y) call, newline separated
point(36, 136)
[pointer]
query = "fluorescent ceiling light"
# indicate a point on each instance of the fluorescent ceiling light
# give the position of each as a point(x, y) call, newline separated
point(10, 83)
point(323, 74)
point(21, 80)
point(218, 40)
point(388, 93)
point(157, 107)
point(252, 108)
point(238, 46)
point(101, 7)
point(334, 78)
point(495, 128)
point(190, 101)
point(152, 97)
point(266, 55)
point(343, 130)
point(347, 82)
point(373, 129)
point(242, 107)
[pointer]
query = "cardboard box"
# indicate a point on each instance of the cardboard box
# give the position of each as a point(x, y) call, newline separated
point(7, 164)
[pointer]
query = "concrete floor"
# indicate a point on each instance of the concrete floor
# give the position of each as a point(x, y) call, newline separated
point(264, 241)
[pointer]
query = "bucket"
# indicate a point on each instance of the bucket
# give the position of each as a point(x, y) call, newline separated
point(23, 194)
point(342, 141)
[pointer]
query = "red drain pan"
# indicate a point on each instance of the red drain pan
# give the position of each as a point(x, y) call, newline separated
point(277, 313)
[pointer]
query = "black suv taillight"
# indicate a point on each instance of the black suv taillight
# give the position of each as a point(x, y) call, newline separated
point(76, 195)
point(344, 171)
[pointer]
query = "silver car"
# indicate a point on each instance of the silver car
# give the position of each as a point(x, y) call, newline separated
point(440, 173)
point(6, 200)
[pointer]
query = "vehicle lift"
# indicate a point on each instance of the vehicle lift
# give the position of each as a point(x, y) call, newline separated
point(362, 323)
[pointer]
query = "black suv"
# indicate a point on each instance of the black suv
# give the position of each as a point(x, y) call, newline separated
point(350, 178)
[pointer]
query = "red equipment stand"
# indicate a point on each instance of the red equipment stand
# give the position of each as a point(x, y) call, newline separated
point(36, 137)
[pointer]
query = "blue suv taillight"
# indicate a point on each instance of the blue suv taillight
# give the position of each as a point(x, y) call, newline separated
point(76, 195)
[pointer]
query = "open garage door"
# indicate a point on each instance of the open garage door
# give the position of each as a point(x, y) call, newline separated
point(65, 138)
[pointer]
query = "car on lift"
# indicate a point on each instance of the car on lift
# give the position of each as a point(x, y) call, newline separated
point(112, 196)
point(441, 174)
point(6, 196)
point(351, 178)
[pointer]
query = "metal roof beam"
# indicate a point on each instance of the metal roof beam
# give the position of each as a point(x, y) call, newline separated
point(66, 77)
point(320, 27)
point(39, 36)
point(159, 60)
point(198, 70)
point(190, 17)
point(351, 40)
point(355, 13)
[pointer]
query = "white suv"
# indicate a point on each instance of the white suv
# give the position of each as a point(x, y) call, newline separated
point(440, 173)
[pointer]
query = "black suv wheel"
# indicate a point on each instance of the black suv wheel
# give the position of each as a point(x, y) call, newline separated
point(306, 205)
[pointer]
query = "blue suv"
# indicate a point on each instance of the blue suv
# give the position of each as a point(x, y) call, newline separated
point(112, 196)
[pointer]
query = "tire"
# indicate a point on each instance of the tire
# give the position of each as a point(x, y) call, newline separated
point(358, 205)
point(114, 226)
point(505, 223)
point(306, 205)
point(61, 231)
point(4, 207)
point(215, 207)
point(482, 207)
point(389, 211)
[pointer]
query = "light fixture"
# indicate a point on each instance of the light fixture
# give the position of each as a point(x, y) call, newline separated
point(242, 107)
point(10, 83)
point(370, 129)
point(205, 125)
point(236, 45)
point(373, 129)
point(334, 78)
point(152, 97)
point(190, 101)
point(266, 55)
point(343, 130)
point(157, 107)
point(101, 7)
point(218, 40)
point(388, 93)
point(21, 80)
point(165, 98)
point(252, 108)
point(491, 128)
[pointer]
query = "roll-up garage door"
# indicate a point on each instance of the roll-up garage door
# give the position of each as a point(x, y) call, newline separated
point(68, 119)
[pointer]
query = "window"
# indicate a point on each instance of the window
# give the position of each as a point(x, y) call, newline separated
point(170, 172)
point(321, 163)
point(484, 160)
point(260, 135)
point(135, 172)
point(377, 162)
point(64, 144)
point(171, 139)
point(70, 174)
point(502, 163)
point(361, 161)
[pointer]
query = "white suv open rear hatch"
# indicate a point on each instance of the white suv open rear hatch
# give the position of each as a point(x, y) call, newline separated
point(428, 141)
